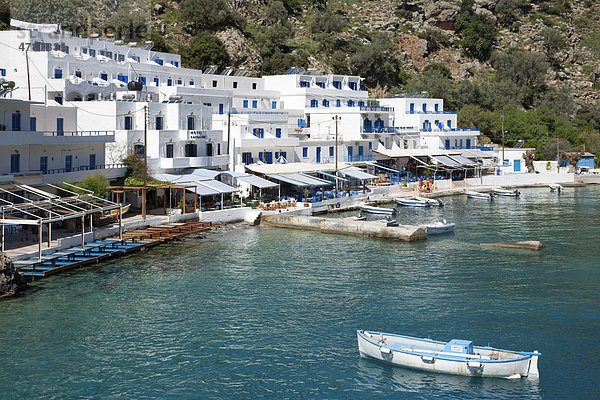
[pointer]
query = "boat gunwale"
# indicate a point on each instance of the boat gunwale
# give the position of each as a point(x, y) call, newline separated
point(525, 354)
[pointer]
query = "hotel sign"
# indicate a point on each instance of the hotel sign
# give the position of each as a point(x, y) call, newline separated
point(192, 135)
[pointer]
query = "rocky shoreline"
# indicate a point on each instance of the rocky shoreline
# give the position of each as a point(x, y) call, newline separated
point(12, 283)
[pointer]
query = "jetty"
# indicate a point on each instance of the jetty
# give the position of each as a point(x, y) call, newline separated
point(406, 233)
point(110, 247)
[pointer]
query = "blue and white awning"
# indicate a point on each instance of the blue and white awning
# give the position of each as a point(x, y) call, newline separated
point(358, 174)
point(300, 179)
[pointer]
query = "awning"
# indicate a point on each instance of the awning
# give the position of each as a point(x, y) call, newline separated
point(332, 176)
point(301, 180)
point(256, 181)
point(446, 161)
point(220, 187)
point(201, 190)
point(464, 160)
point(358, 174)
point(205, 173)
point(177, 179)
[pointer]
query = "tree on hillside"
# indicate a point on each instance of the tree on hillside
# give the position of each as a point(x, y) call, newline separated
point(478, 31)
point(128, 23)
point(4, 14)
point(204, 50)
point(527, 70)
point(207, 14)
point(377, 62)
point(553, 42)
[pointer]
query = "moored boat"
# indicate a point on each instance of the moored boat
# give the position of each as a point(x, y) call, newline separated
point(376, 210)
point(555, 187)
point(439, 228)
point(431, 202)
point(412, 202)
point(458, 357)
point(479, 195)
point(507, 193)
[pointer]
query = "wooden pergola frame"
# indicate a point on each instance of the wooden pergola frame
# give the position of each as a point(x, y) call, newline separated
point(122, 189)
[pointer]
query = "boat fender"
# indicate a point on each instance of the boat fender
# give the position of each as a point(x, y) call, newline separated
point(385, 350)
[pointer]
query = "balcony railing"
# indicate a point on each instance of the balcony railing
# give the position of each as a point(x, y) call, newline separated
point(378, 129)
point(77, 133)
point(359, 158)
point(377, 108)
point(430, 112)
point(459, 130)
point(82, 168)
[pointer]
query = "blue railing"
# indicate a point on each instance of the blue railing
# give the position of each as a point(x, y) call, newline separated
point(82, 168)
point(378, 129)
point(376, 108)
point(77, 133)
point(430, 112)
point(259, 112)
point(359, 158)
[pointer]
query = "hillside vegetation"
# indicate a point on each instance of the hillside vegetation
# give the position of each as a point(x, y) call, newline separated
point(537, 62)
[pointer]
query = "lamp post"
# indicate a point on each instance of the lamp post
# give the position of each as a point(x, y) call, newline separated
point(336, 119)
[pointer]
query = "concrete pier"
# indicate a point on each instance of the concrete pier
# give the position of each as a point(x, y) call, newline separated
point(406, 233)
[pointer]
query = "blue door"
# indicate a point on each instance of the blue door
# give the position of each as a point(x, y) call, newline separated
point(360, 151)
point(269, 157)
point(447, 144)
point(44, 164)
point(60, 123)
point(92, 161)
point(412, 108)
point(517, 165)
point(350, 153)
point(468, 143)
point(220, 108)
point(68, 163)
point(32, 124)
point(318, 154)
point(15, 161)
point(16, 122)
point(209, 149)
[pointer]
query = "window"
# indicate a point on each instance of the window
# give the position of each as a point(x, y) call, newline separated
point(449, 123)
point(123, 78)
point(57, 73)
point(104, 76)
point(179, 82)
point(169, 82)
point(191, 123)
point(436, 107)
point(16, 122)
point(361, 103)
point(138, 149)
point(273, 104)
point(360, 151)
point(321, 84)
point(337, 84)
point(218, 149)
point(314, 103)
point(128, 123)
point(191, 150)
point(156, 81)
point(258, 132)
point(424, 107)
point(214, 83)
point(159, 123)
point(2, 72)
point(247, 158)
point(92, 53)
point(15, 161)
point(412, 108)
point(235, 87)
point(209, 149)
point(338, 103)
point(350, 103)
point(169, 150)
point(207, 104)
point(143, 80)
point(325, 103)
point(331, 151)
point(254, 103)
point(278, 132)
point(78, 74)
point(159, 61)
point(221, 108)
point(44, 164)
point(245, 103)
point(191, 83)
point(353, 85)
point(305, 152)
point(84, 50)
point(304, 84)
point(32, 124)
point(58, 99)
point(254, 86)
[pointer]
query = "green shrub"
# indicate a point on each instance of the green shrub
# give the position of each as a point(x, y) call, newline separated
point(204, 50)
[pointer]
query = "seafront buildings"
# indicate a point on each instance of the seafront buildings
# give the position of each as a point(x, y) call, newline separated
point(83, 104)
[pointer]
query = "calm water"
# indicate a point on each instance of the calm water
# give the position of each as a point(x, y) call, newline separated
point(265, 312)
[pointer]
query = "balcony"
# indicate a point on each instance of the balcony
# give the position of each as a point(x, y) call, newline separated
point(376, 108)
point(17, 138)
point(190, 162)
point(430, 112)
point(450, 130)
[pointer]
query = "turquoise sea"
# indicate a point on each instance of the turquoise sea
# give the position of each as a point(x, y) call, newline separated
point(271, 313)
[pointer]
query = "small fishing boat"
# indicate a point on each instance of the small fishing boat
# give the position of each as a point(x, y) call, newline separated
point(376, 210)
point(412, 202)
point(439, 228)
point(458, 357)
point(479, 195)
point(555, 187)
point(507, 193)
point(357, 218)
point(114, 213)
point(431, 202)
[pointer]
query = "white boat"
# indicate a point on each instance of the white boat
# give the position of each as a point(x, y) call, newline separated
point(507, 193)
point(478, 195)
point(458, 357)
point(376, 210)
point(438, 228)
point(431, 202)
point(412, 202)
point(555, 187)
point(357, 218)
point(114, 213)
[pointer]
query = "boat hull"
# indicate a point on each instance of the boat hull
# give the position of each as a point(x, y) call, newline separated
point(507, 193)
point(377, 210)
point(478, 195)
point(440, 229)
point(369, 347)
point(412, 203)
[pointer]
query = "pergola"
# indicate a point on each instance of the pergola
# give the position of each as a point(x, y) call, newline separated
point(122, 189)
point(48, 208)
